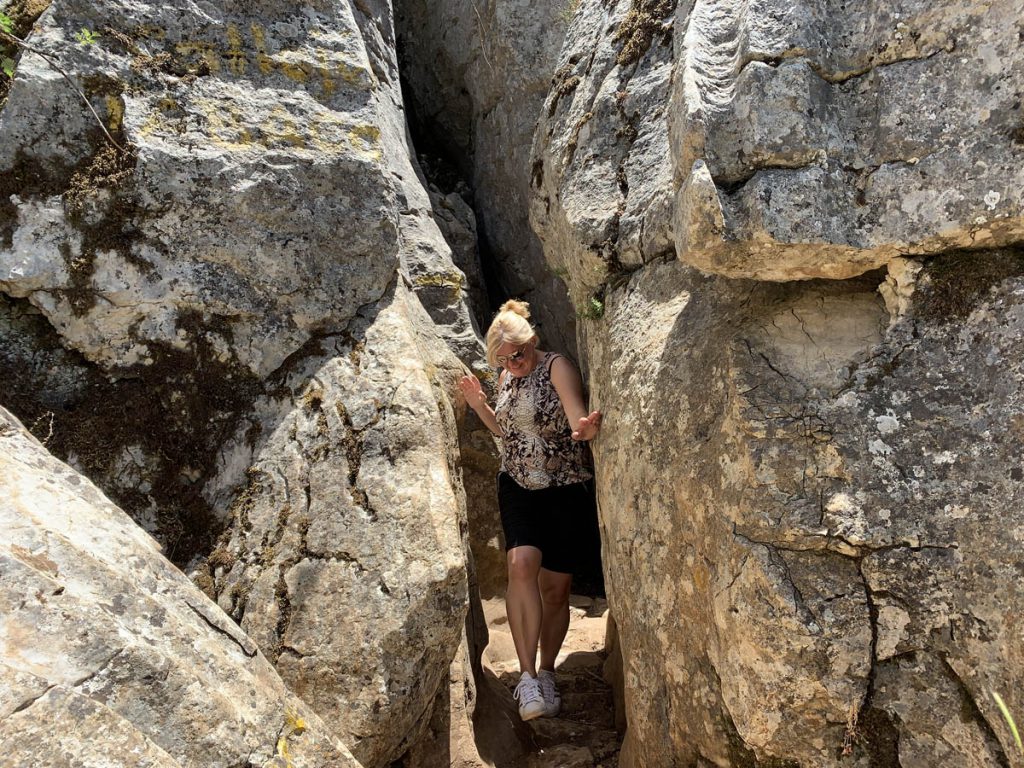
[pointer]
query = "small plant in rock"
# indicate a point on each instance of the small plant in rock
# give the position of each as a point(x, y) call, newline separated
point(592, 310)
point(86, 36)
point(7, 27)
point(1009, 721)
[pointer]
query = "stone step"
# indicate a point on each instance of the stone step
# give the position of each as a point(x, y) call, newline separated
point(596, 708)
point(552, 731)
point(567, 756)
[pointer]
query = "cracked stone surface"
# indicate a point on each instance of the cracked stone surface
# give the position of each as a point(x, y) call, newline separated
point(811, 545)
point(268, 194)
point(231, 116)
point(477, 74)
point(346, 559)
point(808, 488)
point(167, 311)
point(102, 635)
point(781, 141)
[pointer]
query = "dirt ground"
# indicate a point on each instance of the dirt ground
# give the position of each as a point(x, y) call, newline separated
point(583, 735)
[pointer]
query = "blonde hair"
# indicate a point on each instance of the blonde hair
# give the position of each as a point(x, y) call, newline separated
point(510, 326)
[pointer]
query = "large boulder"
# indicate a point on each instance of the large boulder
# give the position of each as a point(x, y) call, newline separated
point(779, 141)
point(108, 653)
point(217, 315)
point(809, 553)
point(227, 117)
point(808, 490)
point(345, 560)
point(264, 194)
point(187, 267)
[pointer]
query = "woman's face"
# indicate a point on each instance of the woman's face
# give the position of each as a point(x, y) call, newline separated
point(518, 359)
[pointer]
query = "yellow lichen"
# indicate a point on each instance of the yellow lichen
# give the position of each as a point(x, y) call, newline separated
point(235, 55)
point(203, 50)
point(263, 61)
point(115, 112)
point(450, 280)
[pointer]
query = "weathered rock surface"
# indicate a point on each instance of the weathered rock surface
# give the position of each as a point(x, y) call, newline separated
point(266, 195)
point(828, 560)
point(780, 141)
point(186, 316)
point(109, 655)
point(477, 73)
point(346, 561)
point(808, 490)
point(231, 115)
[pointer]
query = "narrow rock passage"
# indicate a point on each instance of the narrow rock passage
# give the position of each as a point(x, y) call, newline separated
point(583, 735)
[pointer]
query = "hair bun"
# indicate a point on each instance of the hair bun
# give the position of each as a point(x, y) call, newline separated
point(517, 306)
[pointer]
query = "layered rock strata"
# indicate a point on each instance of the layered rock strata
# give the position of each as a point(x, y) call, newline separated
point(779, 141)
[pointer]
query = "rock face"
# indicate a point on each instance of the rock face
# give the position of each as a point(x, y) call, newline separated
point(266, 194)
point(227, 112)
point(793, 135)
point(477, 74)
point(842, 524)
point(808, 490)
point(346, 558)
point(102, 635)
point(243, 317)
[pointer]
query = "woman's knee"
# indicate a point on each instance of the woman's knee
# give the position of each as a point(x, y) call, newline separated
point(523, 564)
point(555, 593)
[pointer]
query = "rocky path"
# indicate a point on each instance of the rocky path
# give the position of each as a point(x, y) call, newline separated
point(583, 735)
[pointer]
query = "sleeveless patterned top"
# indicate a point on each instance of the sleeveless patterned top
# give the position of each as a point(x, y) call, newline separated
point(537, 446)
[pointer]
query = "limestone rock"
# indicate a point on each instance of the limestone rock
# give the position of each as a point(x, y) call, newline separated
point(807, 116)
point(229, 116)
point(102, 635)
point(829, 557)
point(267, 194)
point(805, 120)
point(478, 73)
point(255, 208)
point(345, 561)
point(799, 484)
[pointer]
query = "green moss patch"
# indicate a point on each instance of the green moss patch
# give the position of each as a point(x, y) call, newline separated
point(24, 14)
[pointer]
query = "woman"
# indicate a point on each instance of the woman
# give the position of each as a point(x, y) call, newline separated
point(543, 492)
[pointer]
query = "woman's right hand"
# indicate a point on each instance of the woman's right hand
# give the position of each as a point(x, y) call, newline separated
point(473, 392)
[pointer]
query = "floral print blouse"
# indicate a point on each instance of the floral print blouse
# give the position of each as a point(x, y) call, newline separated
point(537, 446)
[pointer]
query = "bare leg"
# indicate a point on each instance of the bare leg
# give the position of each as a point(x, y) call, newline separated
point(554, 592)
point(523, 604)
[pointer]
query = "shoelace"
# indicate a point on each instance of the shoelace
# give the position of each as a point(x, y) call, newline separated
point(548, 688)
point(527, 691)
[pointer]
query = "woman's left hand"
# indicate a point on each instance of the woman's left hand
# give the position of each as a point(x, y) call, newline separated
point(587, 427)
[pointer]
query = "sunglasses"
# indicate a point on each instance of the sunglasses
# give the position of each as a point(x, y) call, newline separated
point(515, 357)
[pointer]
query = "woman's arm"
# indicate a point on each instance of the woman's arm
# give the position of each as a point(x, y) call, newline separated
point(477, 400)
point(569, 387)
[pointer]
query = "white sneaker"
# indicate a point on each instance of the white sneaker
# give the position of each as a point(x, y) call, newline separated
point(548, 689)
point(531, 701)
